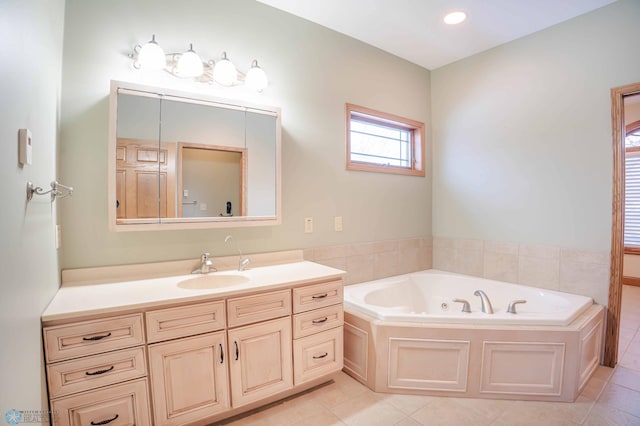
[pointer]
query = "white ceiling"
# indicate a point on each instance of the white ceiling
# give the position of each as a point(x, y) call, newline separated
point(413, 29)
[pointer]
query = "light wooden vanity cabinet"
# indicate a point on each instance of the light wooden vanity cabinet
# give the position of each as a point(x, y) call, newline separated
point(196, 362)
point(96, 372)
point(189, 378)
point(317, 330)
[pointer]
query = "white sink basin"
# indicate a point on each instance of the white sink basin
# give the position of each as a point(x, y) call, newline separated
point(213, 281)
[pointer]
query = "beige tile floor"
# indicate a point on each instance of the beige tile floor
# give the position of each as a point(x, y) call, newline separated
point(612, 397)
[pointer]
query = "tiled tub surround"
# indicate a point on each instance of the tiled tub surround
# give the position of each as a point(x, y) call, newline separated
point(374, 260)
point(536, 363)
point(573, 271)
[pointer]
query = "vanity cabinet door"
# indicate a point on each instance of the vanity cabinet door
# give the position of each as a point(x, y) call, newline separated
point(261, 362)
point(189, 379)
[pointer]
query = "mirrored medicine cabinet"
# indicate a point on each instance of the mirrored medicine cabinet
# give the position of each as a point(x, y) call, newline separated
point(179, 160)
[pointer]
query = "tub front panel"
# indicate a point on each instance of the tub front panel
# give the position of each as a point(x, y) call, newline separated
point(522, 368)
point(537, 363)
point(428, 364)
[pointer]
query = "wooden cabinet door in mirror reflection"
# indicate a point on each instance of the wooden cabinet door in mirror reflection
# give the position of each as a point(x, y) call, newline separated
point(145, 175)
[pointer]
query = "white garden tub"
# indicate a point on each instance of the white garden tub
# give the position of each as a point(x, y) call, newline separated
point(428, 296)
point(406, 334)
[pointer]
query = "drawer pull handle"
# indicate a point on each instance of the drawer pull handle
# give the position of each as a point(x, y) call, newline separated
point(320, 296)
point(324, 355)
point(104, 422)
point(319, 321)
point(237, 350)
point(95, 373)
point(221, 354)
point(92, 338)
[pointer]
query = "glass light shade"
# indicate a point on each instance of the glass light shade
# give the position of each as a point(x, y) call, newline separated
point(225, 72)
point(256, 78)
point(151, 56)
point(189, 64)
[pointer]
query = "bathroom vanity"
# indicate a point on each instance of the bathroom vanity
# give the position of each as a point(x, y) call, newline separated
point(189, 349)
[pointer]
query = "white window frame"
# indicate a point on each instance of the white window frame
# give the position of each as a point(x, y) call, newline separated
point(416, 146)
point(632, 194)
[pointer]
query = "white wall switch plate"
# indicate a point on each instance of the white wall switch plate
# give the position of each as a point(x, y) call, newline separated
point(25, 147)
point(203, 206)
point(185, 192)
point(308, 225)
point(337, 223)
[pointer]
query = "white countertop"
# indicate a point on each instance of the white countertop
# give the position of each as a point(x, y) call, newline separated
point(77, 301)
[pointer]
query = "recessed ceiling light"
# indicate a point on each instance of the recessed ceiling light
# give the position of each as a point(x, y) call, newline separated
point(454, 18)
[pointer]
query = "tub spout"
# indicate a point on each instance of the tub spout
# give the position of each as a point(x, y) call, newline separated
point(486, 303)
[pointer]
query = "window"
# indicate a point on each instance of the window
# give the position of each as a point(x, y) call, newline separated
point(632, 190)
point(381, 142)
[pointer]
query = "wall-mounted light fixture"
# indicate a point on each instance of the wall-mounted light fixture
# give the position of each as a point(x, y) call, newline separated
point(151, 56)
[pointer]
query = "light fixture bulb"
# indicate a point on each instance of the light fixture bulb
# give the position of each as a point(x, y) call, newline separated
point(256, 78)
point(224, 72)
point(455, 18)
point(189, 64)
point(151, 56)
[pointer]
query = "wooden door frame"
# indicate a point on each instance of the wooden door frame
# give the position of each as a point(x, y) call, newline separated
point(243, 170)
point(618, 131)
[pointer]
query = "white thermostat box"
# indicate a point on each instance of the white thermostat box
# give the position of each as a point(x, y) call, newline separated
point(25, 150)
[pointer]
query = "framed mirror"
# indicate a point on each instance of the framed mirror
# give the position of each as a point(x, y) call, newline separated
point(182, 160)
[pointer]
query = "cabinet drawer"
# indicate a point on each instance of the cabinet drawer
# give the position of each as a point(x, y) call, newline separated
point(91, 337)
point(170, 323)
point(317, 355)
point(119, 405)
point(259, 307)
point(94, 371)
point(318, 320)
point(317, 296)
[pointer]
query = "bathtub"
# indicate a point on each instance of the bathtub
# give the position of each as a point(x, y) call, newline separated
point(405, 334)
point(428, 296)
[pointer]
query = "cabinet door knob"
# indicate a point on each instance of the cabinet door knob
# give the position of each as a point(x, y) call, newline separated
point(319, 321)
point(237, 350)
point(320, 296)
point(324, 355)
point(221, 354)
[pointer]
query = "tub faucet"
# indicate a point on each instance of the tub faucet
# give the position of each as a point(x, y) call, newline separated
point(465, 305)
point(243, 262)
point(512, 306)
point(206, 265)
point(486, 303)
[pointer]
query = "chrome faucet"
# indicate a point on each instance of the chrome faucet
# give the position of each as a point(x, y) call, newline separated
point(243, 262)
point(486, 303)
point(206, 265)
